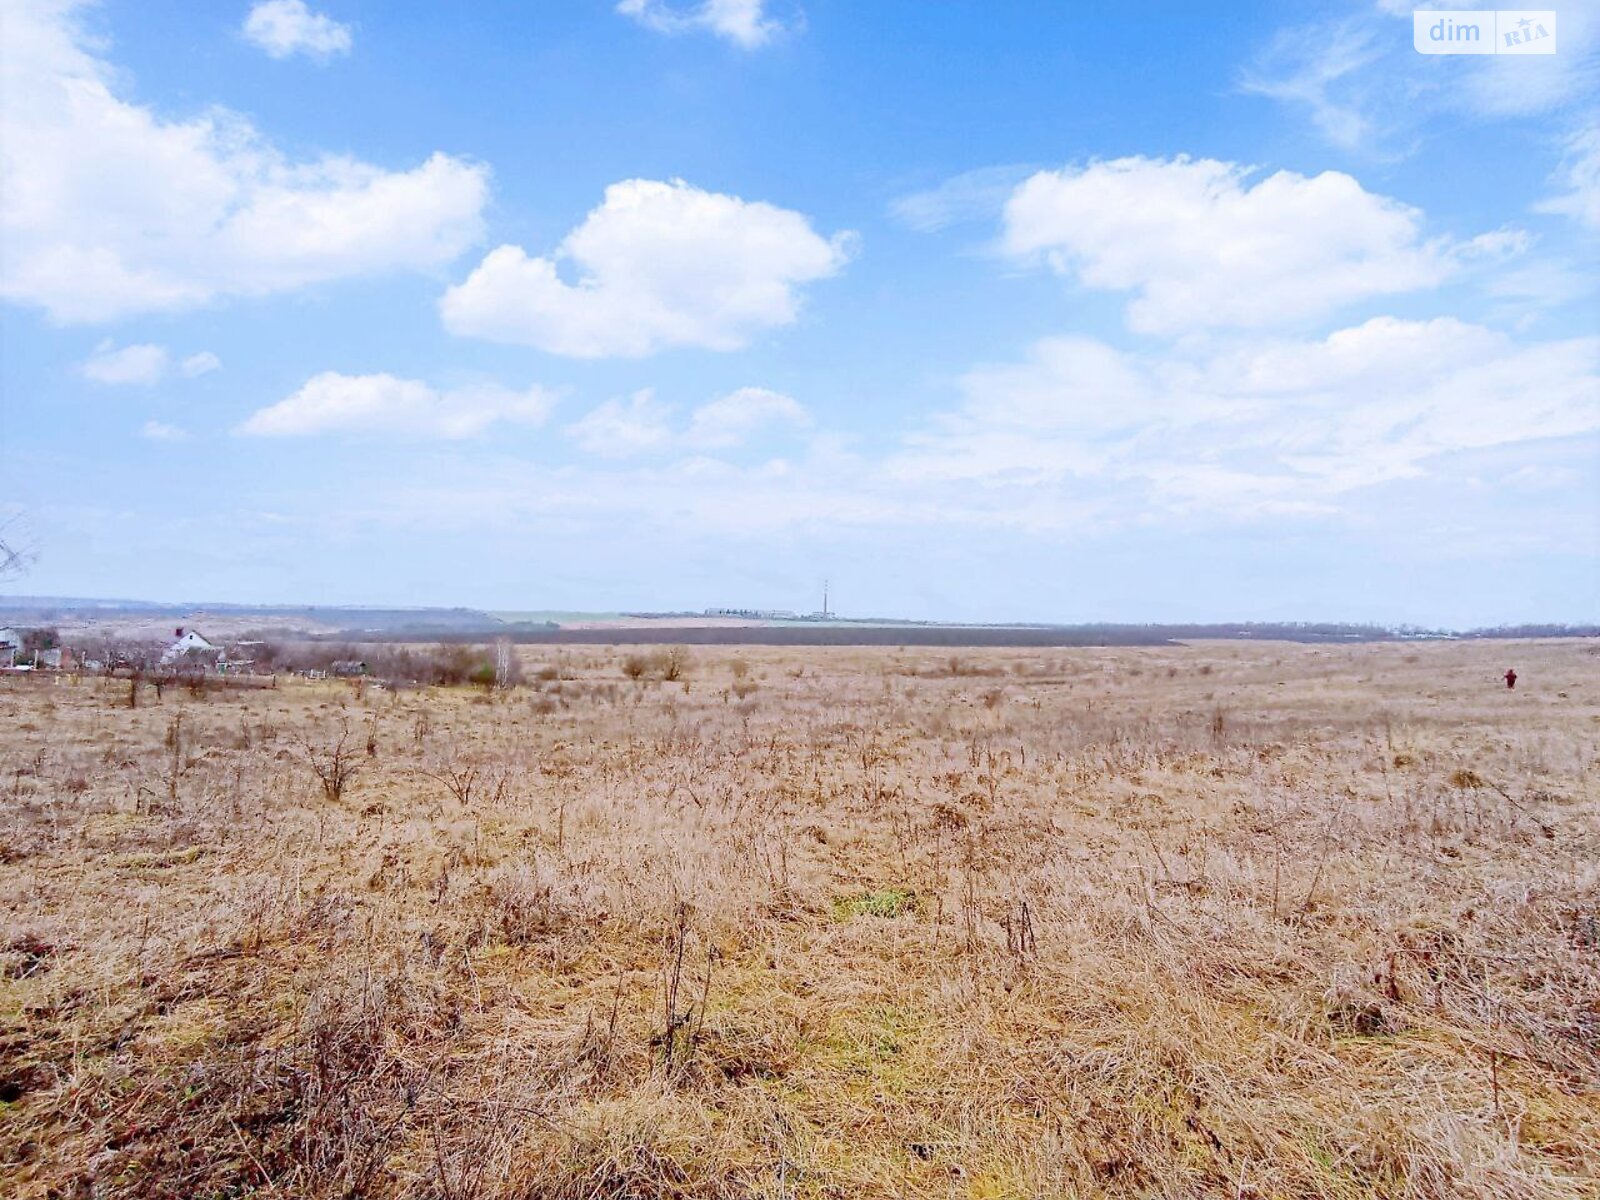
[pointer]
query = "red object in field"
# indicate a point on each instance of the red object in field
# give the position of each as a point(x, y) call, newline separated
point(1511, 679)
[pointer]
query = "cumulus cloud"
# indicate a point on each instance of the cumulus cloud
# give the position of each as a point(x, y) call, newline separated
point(657, 265)
point(383, 404)
point(110, 210)
point(143, 364)
point(160, 431)
point(733, 419)
point(1200, 245)
point(200, 364)
point(743, 22)
point(285, 27)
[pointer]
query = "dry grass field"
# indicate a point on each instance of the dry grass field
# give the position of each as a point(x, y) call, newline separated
point(1216, 920)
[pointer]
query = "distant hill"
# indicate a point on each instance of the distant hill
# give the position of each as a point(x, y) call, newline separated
point(383, 624)
point(310, 619)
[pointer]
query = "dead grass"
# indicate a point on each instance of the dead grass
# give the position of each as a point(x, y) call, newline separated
point(1224, 920)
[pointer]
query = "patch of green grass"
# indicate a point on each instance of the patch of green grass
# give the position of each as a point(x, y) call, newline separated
point(885, 902)
point(876, 1050)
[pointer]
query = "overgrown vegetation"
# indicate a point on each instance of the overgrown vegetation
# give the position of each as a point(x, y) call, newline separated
point(667, 664)
point(1222, 921)
point(417, 665)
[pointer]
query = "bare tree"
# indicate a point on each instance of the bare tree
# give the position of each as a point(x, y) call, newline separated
point(137, 662)
point(17, 549)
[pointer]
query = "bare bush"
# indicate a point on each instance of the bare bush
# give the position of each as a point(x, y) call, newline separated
point(335, 762)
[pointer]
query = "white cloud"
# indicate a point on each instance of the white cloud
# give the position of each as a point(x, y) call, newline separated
point(160, 431)
point(1375, 437)
point(1579, 179)
point(1076, 437)
point(1285, 425)
point(1499, 85)
point(1310, 70)
point(1523, 294)
point(640, 424)
point(742, 22)
point(199, 364)
point(110, 210)
point(1103, 388)
point(1366, 89)
point(1381, 399)
point(1081, 436)
point(383, 404)
point(142, 364)
point(976, 195)
point(285, 27)
point(657, 265)
point(732, 419)
point(1202, 246)
point(622, 428)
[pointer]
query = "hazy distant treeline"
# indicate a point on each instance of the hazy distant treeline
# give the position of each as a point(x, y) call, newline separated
point(907, 634)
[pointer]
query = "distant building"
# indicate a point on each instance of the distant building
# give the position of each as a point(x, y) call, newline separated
point(189, 649)
point(347, 669)
point(33, 649)
point(754, 614)
point(826, 613)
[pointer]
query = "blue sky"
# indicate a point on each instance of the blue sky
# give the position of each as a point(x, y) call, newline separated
point(1021, 311)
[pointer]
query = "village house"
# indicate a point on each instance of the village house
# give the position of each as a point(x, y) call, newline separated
point(10, 646)
point(192, 651)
